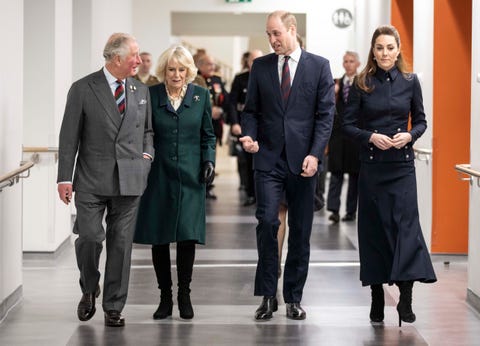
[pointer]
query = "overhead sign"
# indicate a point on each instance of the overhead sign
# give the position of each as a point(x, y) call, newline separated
point(342, 18)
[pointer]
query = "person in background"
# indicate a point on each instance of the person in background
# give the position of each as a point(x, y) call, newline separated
point(143, 74)
point(286, 124)
point(172, 209)
point(106, 145)
point(238, 94)
point(342, 151)
point(392, 249)
point(220, 104)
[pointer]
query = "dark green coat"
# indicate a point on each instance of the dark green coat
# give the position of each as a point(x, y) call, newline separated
point(173, 206)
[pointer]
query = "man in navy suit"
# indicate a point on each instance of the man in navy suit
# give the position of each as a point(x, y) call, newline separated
point(286, 124)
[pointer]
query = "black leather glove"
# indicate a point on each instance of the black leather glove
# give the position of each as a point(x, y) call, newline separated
point(208, 173)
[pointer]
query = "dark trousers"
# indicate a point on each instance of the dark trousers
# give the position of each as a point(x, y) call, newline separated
point(120, 220)
point(335, 191)
point(270, 187)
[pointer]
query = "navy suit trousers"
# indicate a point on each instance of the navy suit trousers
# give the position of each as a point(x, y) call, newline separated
point(270, 188)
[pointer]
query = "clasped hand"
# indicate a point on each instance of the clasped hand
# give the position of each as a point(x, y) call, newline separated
point(383, 142)
point(249, 145)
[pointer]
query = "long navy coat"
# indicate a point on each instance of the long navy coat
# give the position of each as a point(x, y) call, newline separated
point(173, 206)
point(390, 238)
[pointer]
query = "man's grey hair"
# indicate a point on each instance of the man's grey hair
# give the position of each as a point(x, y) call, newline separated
point(117, 44)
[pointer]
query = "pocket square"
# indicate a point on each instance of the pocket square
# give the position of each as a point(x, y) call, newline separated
point(142, 102)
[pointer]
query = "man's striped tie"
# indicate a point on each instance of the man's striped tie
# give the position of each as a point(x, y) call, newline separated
point(120, 97)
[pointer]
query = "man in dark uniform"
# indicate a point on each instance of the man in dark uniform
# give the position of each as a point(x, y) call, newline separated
point(238, 95)
point(206, 68)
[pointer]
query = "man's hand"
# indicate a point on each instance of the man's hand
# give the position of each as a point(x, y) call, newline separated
point(65, 192)
point(249, 145)
point(217, 112)
point(381, 141)
point(236, 130)
point(309, 166)
point(401, 139)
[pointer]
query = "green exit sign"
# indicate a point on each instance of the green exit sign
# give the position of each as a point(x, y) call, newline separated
point(238, 0)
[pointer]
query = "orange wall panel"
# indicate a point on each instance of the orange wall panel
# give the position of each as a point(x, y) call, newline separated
point(451, 128)
point(402, 19)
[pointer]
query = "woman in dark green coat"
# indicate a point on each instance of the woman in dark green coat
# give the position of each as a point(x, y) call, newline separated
point(172, 209)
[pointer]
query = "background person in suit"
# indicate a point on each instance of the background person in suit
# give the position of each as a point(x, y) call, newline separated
point(342, 151)
point(114, 144)
point(143, 74)
point(172, 209)
point(392, 249)
point(286, 124)
point(238, 94)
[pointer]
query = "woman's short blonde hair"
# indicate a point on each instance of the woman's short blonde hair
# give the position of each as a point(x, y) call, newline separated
point(179, 54)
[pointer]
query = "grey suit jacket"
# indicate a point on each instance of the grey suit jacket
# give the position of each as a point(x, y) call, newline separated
point(102, 150)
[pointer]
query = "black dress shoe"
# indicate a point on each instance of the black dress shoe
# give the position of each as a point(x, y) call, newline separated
point(86, 307)
point(114, 318)
point(295, 311)
point(349, 217)
point(266, 309)
point(249, 201)
point(334, 217)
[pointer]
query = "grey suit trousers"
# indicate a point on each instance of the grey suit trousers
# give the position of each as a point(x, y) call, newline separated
point(121, 213)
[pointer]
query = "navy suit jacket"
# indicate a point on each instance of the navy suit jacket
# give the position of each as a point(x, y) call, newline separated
point(303, 125)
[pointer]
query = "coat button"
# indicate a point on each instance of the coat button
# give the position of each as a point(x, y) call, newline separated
point(174, 158)
point(175, 131)
point(399, 129)
point(376, 131)
point(407, 156)
point(406, 147)
point(371, 157)
point(175, 117)
point(371, 148)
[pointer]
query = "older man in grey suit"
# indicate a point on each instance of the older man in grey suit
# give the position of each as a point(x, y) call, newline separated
point(106, 144)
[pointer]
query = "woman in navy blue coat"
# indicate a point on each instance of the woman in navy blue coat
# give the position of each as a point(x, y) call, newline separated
point(391, 244)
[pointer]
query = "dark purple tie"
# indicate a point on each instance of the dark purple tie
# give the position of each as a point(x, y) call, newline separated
point(285, 79)
point(346, 89)
point(120, 97)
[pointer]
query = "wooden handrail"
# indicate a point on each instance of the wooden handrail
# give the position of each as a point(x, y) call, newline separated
point(14, 176)
point(40, 149)
point(36, 151)
point(465, 168)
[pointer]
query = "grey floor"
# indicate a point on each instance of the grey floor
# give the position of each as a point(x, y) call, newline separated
point(222, 293)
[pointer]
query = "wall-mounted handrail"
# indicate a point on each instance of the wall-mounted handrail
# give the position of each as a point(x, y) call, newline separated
point(14, 176)
point(466, 169)
point(422, 154)
point(35, 158)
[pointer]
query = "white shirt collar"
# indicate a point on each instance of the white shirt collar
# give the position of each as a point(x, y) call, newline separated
point(295, 56)
point(110, 78)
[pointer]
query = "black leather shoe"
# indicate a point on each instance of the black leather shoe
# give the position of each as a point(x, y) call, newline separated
point(334, 217)
point(114, 318)
point(266, 309)
point(349, 217)
point(295, 311)
point(86, 307)
point(249, 201)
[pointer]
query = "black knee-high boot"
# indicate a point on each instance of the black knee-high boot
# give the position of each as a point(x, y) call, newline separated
point(404, 306)
point(185, 259)
point(378, 303)
point(161, 264)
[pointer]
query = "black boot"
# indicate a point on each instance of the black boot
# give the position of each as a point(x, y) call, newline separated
point(185, 259)
point(378, 303)
point(404, 306)
point(166, 305)
point(161, 264)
